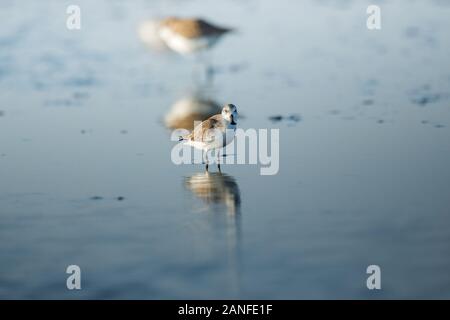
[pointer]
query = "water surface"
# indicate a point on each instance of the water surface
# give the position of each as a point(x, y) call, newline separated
point(86, 176)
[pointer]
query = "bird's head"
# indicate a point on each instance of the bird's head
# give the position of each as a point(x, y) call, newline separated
point(229, 113)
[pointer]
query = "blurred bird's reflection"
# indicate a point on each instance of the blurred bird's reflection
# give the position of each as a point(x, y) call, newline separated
point(185, 111)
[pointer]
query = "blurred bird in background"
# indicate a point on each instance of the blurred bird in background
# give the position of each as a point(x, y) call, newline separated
point(183, 35)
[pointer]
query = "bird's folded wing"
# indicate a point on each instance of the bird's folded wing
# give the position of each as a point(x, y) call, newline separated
point(207, 130)
point(193, 28)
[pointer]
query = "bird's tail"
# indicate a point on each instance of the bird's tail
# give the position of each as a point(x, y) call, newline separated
point(230, 30)
point(185, 137)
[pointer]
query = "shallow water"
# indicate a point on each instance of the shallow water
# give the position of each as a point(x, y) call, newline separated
point(86, 176)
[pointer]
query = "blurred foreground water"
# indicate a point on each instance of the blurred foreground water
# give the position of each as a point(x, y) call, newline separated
point(86, 176)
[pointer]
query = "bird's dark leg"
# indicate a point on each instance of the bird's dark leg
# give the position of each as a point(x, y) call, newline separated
point(207, 161)
point(218, 160)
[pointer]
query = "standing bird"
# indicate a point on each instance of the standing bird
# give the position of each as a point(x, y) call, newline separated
point(184, 35)
point(214, 133)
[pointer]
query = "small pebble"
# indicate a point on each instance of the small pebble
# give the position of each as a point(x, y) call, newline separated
point(291, 118)
point(426, 99)
point(294, 117)
point(80, 95)
point(276, 118)
point(335, 112)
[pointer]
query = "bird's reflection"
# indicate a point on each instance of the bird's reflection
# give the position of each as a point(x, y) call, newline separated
point(186, 111)
point(220, 193)
point(216, 189)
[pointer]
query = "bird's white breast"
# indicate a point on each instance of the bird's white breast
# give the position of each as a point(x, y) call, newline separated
point(182, 44)
point(229, 134)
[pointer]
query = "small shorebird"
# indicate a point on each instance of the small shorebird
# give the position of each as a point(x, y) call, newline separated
point(214, 133)
point(182, 35)
point(185, 35)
